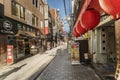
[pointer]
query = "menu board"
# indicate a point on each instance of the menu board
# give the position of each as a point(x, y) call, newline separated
point(74, 51)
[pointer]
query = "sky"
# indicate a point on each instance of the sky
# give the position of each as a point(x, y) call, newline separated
point(59, 4)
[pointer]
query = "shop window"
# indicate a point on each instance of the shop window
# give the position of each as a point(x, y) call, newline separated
point(24, 27)
point(28, 29)
point(21, 47)
point(19, 26)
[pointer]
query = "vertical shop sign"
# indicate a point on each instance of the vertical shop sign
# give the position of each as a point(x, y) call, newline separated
point(75, 53)
point(10, 54)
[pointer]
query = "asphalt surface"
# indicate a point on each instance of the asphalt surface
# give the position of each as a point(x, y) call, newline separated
point(61, 69)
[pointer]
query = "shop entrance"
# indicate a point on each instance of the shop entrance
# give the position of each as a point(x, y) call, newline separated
point(27, 46)
point(83, 48)
point(21, 48)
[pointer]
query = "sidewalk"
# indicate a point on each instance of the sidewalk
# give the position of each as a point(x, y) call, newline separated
point(27, 67)
point(106, 71)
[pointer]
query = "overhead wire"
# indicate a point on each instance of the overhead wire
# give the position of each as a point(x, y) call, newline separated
point(65, 7)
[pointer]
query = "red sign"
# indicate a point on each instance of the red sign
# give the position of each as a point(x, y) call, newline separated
point(46, 30)
point(10, 54)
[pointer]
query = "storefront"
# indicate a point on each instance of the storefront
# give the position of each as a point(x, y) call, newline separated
point(17, 34)
point(43, 43)
point(49, 41)
point(25, 39)
point(7, 27)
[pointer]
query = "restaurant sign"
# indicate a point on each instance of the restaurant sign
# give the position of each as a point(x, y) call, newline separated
point(8, 27)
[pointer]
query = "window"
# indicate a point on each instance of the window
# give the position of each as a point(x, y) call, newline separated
point(41, 24)
point(41, 9)
point(34, 20)
point(28, 17)
point(15, 9)
point(35, 3)
point(46, 23)
point(18, 10)
point(22, 12)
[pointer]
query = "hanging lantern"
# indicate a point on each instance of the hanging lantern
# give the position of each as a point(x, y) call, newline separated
point(111, 7)
point(80, 29)
point(75, 33)
point(90, 19)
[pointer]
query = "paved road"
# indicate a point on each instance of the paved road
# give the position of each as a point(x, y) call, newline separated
point(61, 69)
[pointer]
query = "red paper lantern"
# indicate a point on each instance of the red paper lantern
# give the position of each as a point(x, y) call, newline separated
point(90, 18)
point(75, 33)
point(110, 6)
point(80, 29)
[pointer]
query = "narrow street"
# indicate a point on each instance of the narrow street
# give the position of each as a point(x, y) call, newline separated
point(60, 40)
point(61, 69)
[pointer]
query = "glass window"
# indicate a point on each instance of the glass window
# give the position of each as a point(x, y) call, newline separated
point(28, 17)
point(24, 27)
point(22, 12)
point(13, 8)
point(41, 24)
point(28, 29)
point(19, 26)
point(34, 20)
point(18, 10)
point(41, 9)
point(35, 3)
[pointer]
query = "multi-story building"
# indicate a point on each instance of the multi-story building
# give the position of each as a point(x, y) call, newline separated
point(21, 22)
point(104, 40)
point(105, 48)
point(48, 27)
point(57, 27)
